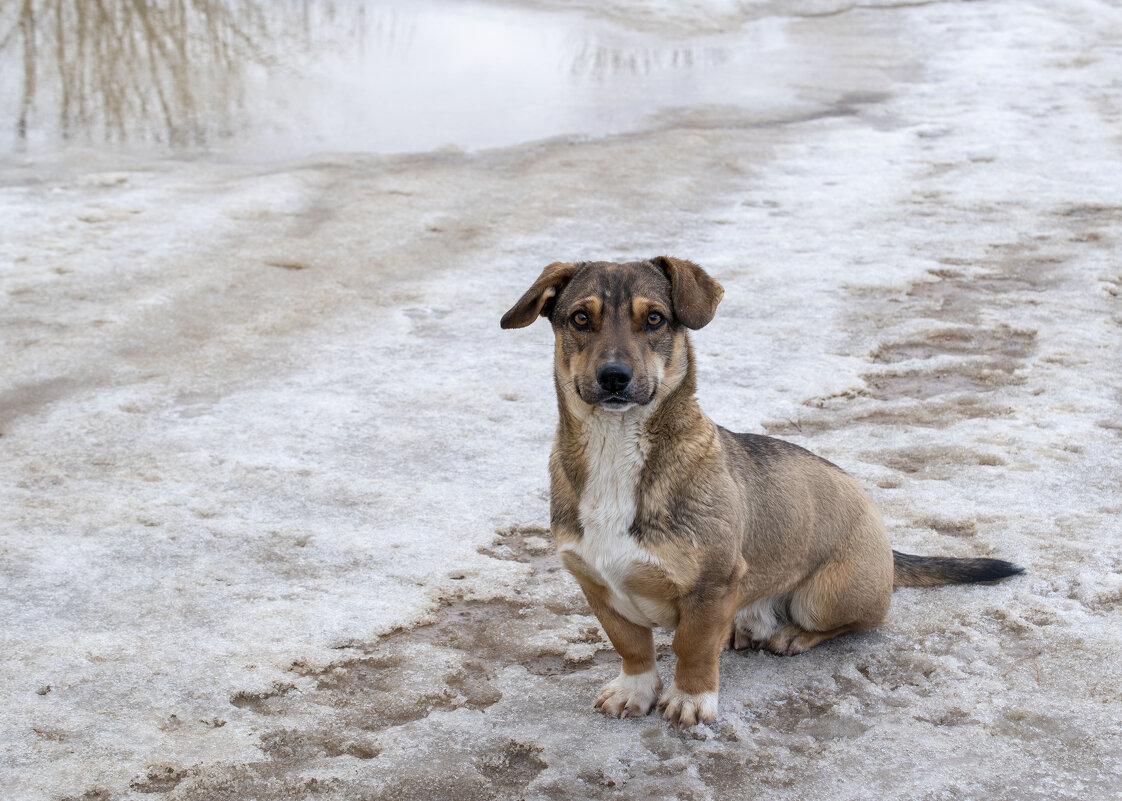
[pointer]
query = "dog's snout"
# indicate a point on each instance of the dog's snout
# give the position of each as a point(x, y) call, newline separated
point(614, 377)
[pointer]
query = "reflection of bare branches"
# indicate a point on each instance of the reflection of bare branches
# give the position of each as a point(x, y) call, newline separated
point(186, 73)
point(167, 71)
point(27, 30)
point(393, 31)
point(598, 61)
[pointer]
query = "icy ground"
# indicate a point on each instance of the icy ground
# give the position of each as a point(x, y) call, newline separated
point(274, 481)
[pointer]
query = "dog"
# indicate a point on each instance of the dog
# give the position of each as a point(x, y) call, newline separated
point(667, 519)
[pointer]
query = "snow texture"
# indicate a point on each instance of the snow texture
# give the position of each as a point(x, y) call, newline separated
point(274, 481)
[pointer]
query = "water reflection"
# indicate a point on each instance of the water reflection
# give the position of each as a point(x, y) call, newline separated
point(120, 71)
point(278, 78)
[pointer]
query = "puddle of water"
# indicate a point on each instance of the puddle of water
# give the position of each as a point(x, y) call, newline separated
point(263, 79)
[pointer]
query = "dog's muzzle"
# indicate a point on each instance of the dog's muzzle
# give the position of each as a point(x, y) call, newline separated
point(614, 378)
point(616, 387)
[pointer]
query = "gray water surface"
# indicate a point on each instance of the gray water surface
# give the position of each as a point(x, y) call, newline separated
point(263, 80)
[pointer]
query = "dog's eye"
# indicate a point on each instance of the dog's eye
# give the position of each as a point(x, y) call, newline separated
point(580, 320)
point(654, 320)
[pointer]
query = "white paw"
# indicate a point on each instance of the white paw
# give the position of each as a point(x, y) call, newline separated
point(684, 709)
point(626, 696)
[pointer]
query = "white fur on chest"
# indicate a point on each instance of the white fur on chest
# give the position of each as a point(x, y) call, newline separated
point(616, 449)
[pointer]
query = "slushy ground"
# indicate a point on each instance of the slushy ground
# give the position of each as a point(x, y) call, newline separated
point(274, 486)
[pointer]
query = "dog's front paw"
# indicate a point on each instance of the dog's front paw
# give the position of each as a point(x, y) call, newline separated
point(627, 696)
point(684, 709)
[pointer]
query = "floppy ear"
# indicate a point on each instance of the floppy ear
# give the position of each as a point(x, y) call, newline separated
point(539, 298)
point(695, 295)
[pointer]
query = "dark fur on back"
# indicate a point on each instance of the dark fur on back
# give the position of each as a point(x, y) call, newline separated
point(762, 448)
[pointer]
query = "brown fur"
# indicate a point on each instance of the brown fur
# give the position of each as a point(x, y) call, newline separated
point(714, 527)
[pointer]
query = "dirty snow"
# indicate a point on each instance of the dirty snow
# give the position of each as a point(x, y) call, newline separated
point(275, 482)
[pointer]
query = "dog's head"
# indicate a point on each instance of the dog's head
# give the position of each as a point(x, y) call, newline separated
point(620, 328)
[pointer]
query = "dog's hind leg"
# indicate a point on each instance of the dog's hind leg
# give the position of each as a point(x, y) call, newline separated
point(791, 639)
point(838, 597)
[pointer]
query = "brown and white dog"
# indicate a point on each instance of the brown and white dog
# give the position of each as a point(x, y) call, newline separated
point(667, 519)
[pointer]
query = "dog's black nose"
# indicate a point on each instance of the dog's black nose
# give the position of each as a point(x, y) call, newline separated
point(613, 377)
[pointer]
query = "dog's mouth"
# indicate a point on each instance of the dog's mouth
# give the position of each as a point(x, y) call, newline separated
point(614, 401)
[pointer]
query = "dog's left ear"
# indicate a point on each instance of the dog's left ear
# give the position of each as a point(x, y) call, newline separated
point(538, 297)
point(694, 293)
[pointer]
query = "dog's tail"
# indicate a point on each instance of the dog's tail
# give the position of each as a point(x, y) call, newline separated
point(928, 571)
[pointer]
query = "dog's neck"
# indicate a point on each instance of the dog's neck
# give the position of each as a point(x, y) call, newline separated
point(587, 434)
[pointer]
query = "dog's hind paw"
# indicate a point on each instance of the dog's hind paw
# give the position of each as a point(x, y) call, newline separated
point(684, 709)
point(743, 638)
point(790, 639)
point(630, 695)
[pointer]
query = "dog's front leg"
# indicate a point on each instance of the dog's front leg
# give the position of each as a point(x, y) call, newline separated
point(634, 691)
point(703, 628)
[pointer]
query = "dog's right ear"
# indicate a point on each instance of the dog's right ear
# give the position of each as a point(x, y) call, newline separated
point(540, 297)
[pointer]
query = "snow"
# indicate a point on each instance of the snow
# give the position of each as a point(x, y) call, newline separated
point(275, 481)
